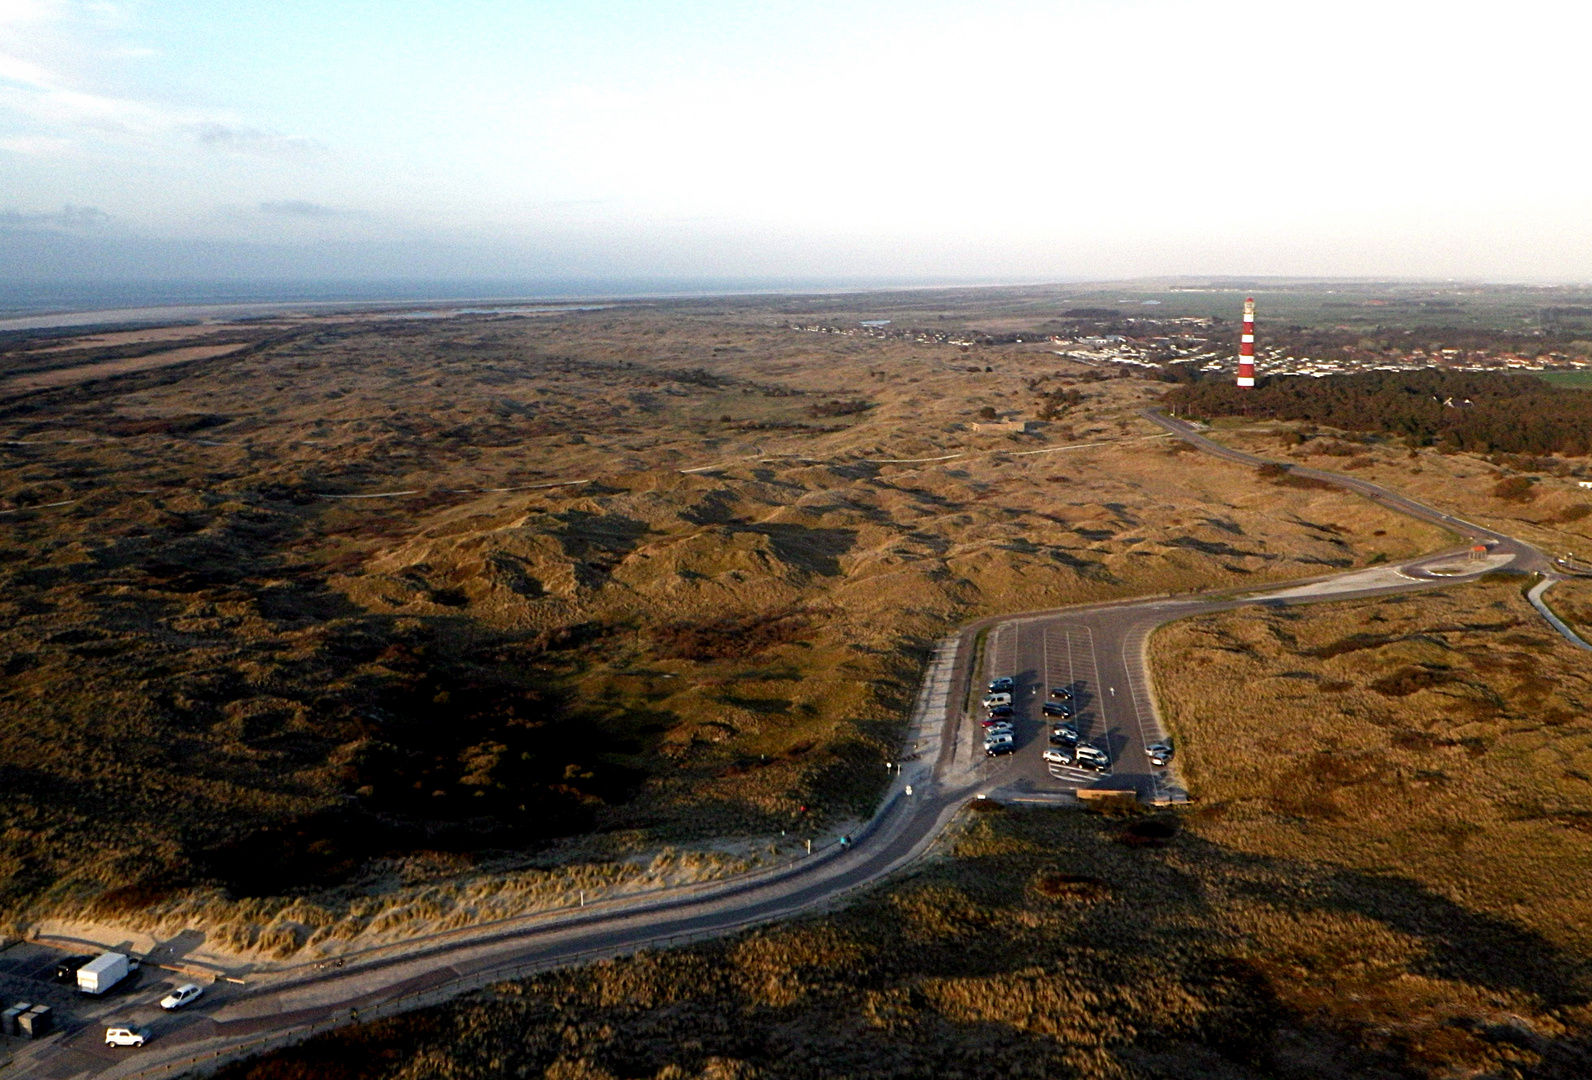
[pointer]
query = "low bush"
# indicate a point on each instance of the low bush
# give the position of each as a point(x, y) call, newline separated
point(732, 637)
point(1514, 489)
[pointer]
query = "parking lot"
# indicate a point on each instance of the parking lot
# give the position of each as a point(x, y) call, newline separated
point(77, 1041)
point(1093, 658)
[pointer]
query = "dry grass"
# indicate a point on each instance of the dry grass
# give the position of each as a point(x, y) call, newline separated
point(1433, 745)
point(1048, 944)
point(1536, 499)
point(397, 902)
point(296, 687)
point(1384, 875)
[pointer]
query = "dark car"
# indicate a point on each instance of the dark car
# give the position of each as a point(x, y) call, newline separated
point(1092, 757)
point(1003, 685)
point(1064, 735)
point(66, 970)
point(1000, 711)
point(1056, 708)
point(1061, 692)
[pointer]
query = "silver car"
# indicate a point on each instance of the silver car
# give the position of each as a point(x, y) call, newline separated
point(1000, 744)
point(181, 996)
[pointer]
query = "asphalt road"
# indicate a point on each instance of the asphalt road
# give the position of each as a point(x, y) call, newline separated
point(1096, 650)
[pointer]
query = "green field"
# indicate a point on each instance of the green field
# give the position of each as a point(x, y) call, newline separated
point(1567, 378)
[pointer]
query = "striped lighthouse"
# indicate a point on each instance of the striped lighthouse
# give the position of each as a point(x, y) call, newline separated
point(1246, 346)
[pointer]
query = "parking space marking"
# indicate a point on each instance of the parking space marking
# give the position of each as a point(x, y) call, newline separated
point(1001, 658)
point(1079, 641)
point(1150, 730)
point(1139, 693)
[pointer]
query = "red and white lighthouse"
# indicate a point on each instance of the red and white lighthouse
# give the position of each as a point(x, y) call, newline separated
point(1246, 346)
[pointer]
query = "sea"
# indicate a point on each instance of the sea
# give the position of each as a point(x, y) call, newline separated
point(32, 305)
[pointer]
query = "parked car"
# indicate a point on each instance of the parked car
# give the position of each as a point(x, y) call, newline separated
point(181, 996)
point(1003, 685)
point(1065, 734)
point(1061, 693)
point(1001, 710)
point(1058, 756)
point(1158, 753)
point(66, 970)
point(996, 699)
point(998, 728)
point(125, 1035)
point(1001, 744)
point(1091, 757)
point(1056, 708)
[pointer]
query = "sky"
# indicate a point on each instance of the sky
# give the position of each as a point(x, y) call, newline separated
point(989, 141)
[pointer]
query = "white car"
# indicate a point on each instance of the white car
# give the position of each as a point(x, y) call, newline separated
point(992, 700)
point(181, 996)
point(1158, 753)
point(125, 1035)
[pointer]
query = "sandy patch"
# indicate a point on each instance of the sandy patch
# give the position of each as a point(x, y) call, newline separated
point(87, 372)
point(136, 337)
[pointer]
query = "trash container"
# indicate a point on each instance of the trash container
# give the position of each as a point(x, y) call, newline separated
point(36, 1021)
point(8, 1019)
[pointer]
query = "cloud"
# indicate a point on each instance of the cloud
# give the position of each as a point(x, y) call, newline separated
point(35, 86)
point(35, 145)
point(241, 139)
point(16, 69)
point(301, 208)
point(75, 218)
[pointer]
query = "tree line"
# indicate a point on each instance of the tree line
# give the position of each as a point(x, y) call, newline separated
point(1482, 412)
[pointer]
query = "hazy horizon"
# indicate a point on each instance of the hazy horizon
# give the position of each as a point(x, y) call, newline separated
point(26, 305)
point(931, 142)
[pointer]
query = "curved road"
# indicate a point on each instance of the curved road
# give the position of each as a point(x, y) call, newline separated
point(1098, 650)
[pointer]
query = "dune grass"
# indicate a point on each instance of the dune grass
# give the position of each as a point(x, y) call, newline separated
point(722, 624)
point(1384, 874)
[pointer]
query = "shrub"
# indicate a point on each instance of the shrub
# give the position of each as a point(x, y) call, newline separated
point(732, 637)
point(1409, 680)
point(1514, 489)
point(835, 407)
